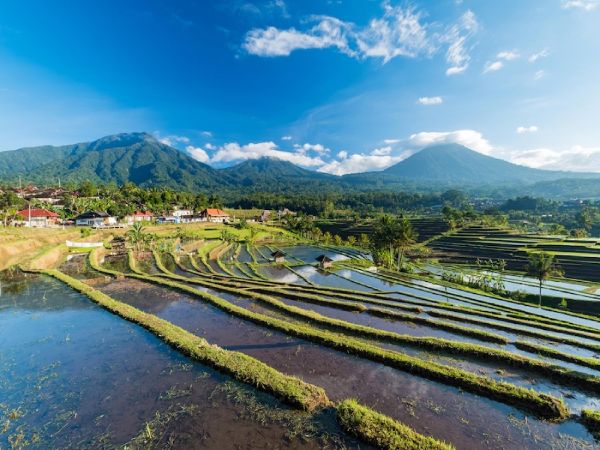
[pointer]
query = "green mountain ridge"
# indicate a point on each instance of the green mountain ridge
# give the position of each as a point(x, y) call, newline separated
point(140, 158)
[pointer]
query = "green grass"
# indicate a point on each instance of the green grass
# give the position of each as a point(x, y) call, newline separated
point(593, 363)
point(238, 365)
point(591, 419)
point(509, 328)
point(557, 373)
point(382, 431)
point(543, 405)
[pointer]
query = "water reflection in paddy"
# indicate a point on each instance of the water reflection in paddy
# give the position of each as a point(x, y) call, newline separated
point(75, 376)
point(433, 408)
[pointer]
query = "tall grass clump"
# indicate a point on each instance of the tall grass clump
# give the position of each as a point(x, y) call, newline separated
point(383, 431)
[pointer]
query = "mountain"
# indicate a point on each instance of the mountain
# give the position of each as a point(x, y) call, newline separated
point(263, 172)
point(140, 158)
point(135, 157)
point(454, 164)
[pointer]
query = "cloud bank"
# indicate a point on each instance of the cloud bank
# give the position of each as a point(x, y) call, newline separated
point(398, 32)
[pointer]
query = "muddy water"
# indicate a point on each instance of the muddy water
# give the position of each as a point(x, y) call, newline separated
point(244, 256)
point(77, 267)
point(464, 419)
point(145, 262)
point(75, 376)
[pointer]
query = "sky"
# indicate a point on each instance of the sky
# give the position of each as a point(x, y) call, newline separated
point(338, 86)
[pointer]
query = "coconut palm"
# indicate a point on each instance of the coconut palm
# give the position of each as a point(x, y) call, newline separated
point(253, 233)
point(136, 235)
point(542, 266)
point(403, 236)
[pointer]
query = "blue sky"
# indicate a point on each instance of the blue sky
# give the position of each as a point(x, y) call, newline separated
point(334, 85)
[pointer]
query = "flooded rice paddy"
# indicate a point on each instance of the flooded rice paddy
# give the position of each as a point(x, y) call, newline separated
point(75, 376)
point(69, 379)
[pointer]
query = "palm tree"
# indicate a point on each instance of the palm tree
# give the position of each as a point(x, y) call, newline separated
point(403, 236)
point(136, 235)
point(383, 233)
point(252, 235)
point(541, 266)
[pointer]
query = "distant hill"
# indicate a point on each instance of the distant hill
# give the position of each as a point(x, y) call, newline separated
point(264, 172)
point(454, 164)
point(142, 159)
point(135, 157)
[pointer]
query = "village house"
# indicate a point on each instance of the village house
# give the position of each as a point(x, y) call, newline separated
point(138, 216)
point(285, 212)
point(278, 256)
point(36, 217)
point(182, 212)
point(50, 196)
point(95, 219)
point(214, 215)
point(265, 216)
point(324, 261)
point(167, 219)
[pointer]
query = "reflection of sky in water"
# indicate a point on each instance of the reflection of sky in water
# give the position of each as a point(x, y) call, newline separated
point(556, 288)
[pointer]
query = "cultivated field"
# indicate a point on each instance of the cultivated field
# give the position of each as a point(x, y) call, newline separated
point(198, 330)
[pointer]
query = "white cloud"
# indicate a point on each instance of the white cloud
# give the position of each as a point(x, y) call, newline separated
point(198, 153)
point(207, 133)
point(584, 5)
point(236, 152)
point(527, 130)
point(360, 163)
point(391, 141)
point(539, 55)
point(428, 101)
point(271, 41)
point(286, 138)
point(382, 151)
point(455, 70)
point(398, 32)
point(576, 158)
point(508, 55)
point(381, 158)
point(317, 148)
point(469, 138)
point(457, 37)
point(493, 66)
point(539, 75)
point(173, 140)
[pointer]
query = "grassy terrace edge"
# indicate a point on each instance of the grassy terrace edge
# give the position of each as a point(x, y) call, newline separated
point(382, 431)
point(241, 367)
point(543, 405)
point(556, 373)
point(591, 419)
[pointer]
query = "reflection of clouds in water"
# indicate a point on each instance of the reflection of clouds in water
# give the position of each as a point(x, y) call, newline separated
point(338, 257)
point(306, 271)
point(288, 278)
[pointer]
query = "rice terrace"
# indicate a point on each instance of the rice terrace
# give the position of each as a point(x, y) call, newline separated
point(300, 224)
point(138, 341)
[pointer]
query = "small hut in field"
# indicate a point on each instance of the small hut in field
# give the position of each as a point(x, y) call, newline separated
point(278, 256)
point(325, 262)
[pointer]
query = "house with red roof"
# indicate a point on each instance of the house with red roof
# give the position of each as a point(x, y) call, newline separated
point(214, 215)
point(138, 216)
point(36, 217)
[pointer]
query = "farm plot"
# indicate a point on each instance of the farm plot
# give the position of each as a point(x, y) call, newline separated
point(493, 352)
